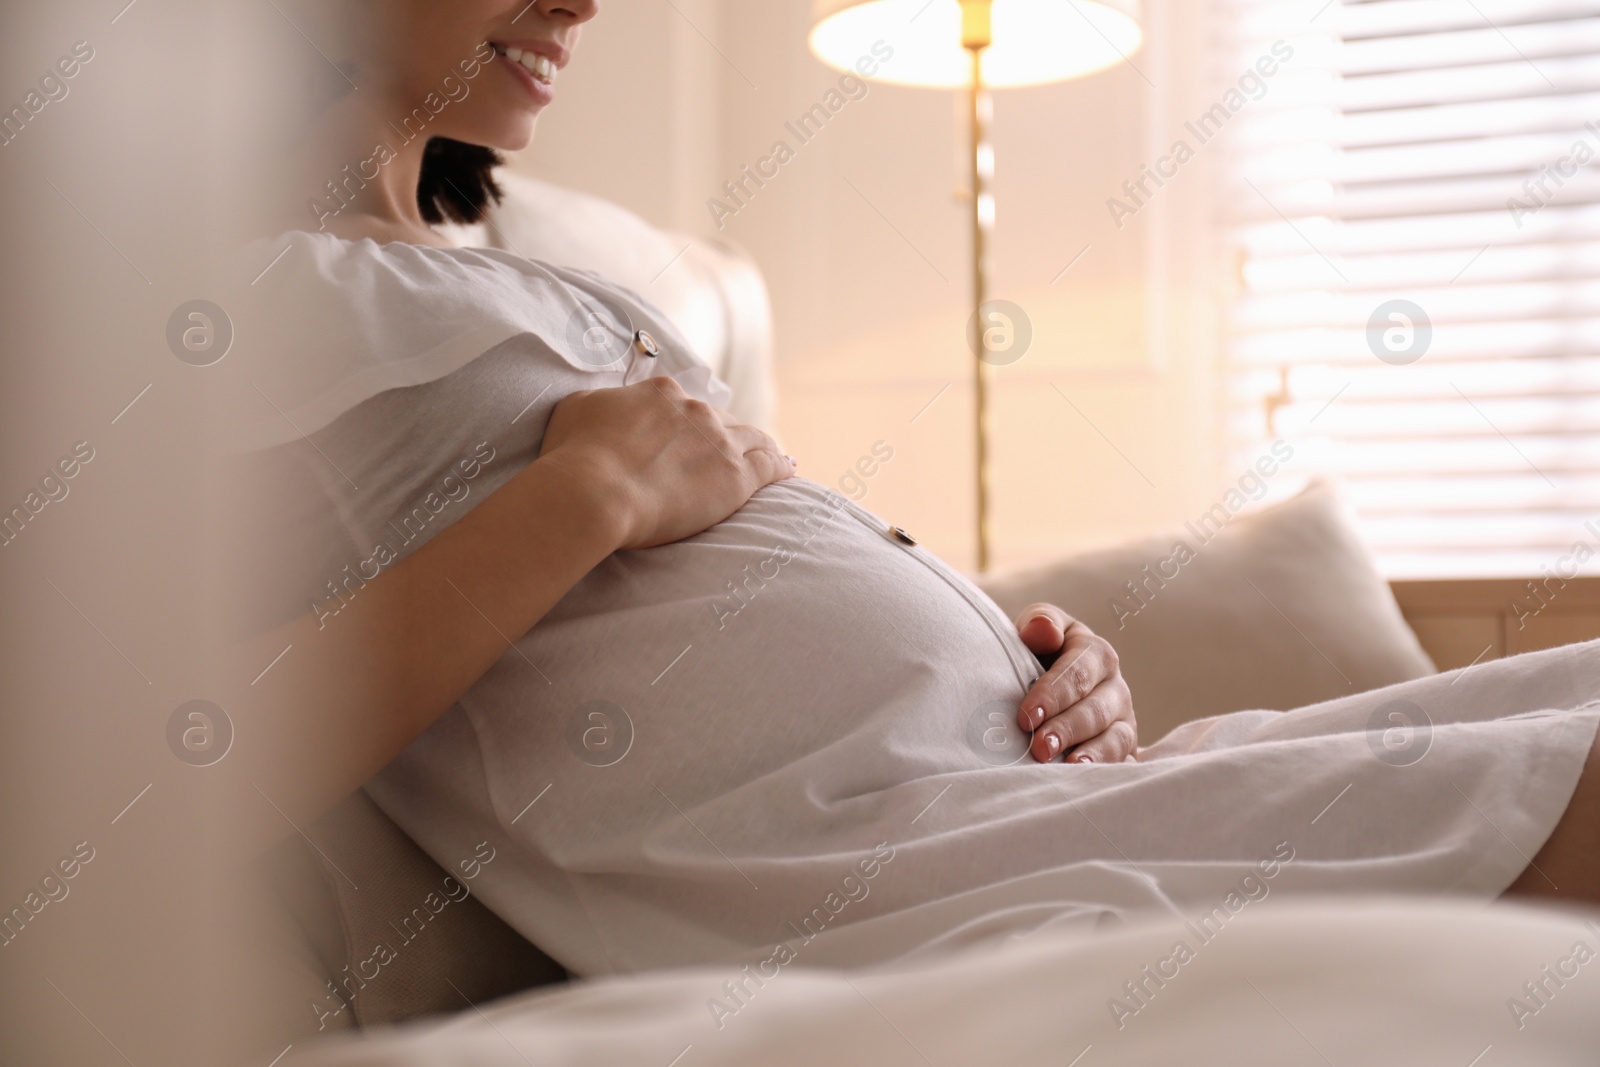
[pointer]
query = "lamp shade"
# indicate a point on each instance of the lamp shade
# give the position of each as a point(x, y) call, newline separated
point(1034, 41)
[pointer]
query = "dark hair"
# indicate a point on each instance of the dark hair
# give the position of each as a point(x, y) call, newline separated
point(457, 182)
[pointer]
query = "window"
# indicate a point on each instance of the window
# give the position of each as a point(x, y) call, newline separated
point(1414, 205)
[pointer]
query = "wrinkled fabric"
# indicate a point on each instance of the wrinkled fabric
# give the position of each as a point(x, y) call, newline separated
point(794, 733)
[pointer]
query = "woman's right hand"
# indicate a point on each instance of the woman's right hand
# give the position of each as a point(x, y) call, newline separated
point(664, 465)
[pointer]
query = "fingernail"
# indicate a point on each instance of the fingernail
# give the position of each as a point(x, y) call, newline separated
point(1035, 717)
point(1085, 759)
point(792, 461)
point(1052, 744)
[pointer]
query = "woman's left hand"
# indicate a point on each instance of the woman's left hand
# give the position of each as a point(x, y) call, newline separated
point(1081, 706)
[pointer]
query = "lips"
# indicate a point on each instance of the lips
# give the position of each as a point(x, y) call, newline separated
point(541, 58)
point(535, 64)
point(540, 66)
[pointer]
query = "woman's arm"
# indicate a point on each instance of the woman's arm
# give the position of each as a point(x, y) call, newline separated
point(620, 468)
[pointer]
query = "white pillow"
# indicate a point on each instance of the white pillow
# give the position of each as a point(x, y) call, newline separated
point(1279, 609)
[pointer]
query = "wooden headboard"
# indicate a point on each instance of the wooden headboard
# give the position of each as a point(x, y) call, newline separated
point(1465, 621)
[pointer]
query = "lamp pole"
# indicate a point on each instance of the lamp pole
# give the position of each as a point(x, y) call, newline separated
point(976, 35)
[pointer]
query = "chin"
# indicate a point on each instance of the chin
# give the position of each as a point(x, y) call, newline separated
point(522, 140)
point(513, 136)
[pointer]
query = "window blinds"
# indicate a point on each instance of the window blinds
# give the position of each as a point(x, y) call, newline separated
point(1414, 207)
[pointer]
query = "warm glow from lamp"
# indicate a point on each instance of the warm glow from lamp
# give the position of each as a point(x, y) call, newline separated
point(977, 45)
point(1035, 41)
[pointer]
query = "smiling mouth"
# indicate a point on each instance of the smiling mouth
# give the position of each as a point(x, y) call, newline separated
point(543, 68)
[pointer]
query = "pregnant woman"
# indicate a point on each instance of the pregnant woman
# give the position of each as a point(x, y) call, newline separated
point(705, 709)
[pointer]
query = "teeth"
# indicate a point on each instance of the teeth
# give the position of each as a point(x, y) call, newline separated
point(547, 69)
point(542, 67)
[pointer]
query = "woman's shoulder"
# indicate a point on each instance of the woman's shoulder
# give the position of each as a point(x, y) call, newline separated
point(364, 267)
point(391, 294)
point(334, 319)
point(346, 253)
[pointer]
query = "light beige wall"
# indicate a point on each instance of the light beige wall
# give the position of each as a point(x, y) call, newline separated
point(1105, 428)
point(637, 115)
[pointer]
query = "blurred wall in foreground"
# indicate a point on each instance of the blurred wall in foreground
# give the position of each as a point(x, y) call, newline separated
point(124, 893)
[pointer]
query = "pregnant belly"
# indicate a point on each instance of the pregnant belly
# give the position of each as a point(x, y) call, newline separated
point(693, 748)
point(797, 653)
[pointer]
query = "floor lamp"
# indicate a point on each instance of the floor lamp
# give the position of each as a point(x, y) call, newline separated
point(975, 45)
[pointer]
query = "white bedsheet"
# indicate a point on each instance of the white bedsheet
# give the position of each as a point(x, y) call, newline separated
point(1354, 985)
